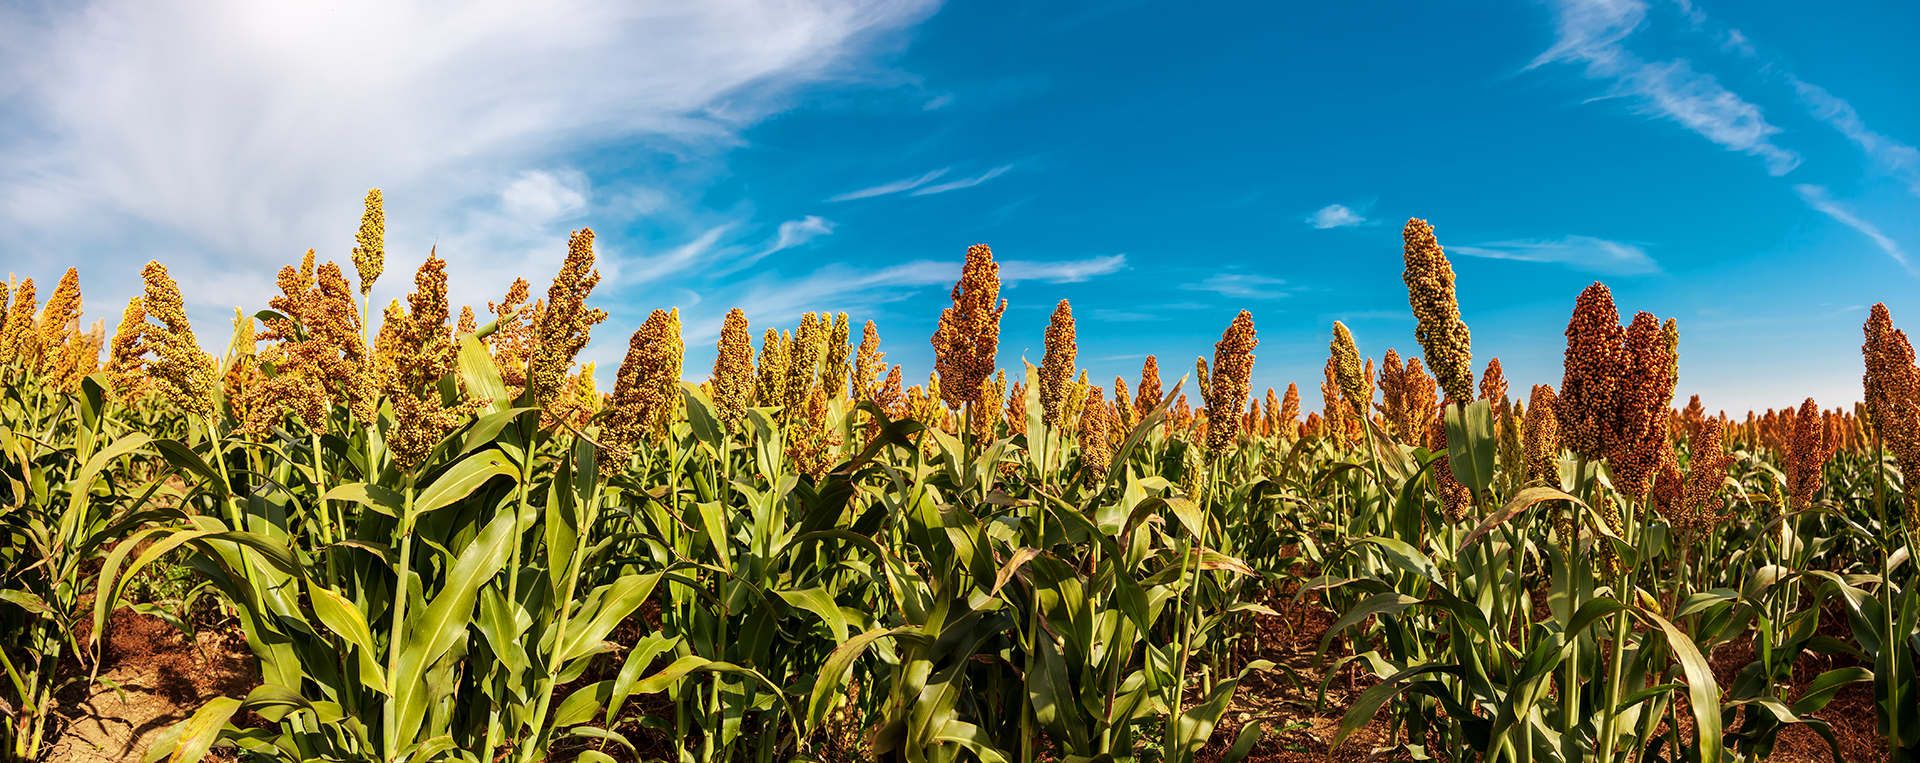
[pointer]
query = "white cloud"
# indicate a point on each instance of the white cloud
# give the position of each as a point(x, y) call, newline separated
point(963, 183)
point(1887, 155)
point(1586, 253)
point(539, 196)
point(1816, 197)
point(1593, 33)
point(1335, 216)
point(1735, 42)
point(906, 184)
point(939, 101)
point(218, 135)
point(1239, 285)
point(1062, 271)
point(796, 232)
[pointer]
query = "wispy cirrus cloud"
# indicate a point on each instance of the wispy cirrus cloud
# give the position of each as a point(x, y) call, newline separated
point(904, 184)
point(965, 182)
point(1239, 285)
point(1061, 271)
point(1593, 33)
point(1886, 154)
point(1816, 197)
point(1335, 216)
point(1586, 253)
point(796, 232)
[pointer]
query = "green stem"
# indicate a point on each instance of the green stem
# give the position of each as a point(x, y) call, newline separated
point(555, 664)
point(397, 625)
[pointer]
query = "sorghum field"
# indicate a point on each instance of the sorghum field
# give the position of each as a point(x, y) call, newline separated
point(415, 533)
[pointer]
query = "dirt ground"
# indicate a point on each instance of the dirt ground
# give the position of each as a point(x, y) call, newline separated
point(152, 677)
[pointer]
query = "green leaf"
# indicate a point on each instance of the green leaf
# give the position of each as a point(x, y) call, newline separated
point(707, 426)
point(1515, 505)
point(1702, 693)
point(1196, 724)
point(833, 674)
point(343, 618)
point(274, 702)
point(178, 454)
point(198, 733)
point(1386, 603)
point(582, 705)
point(1250, 735)
point(26, 601)
point(1369, 702)
point(460, 481)
point(820, 603)
point(429, 634)
point(1471, 444)
point(482, 379)
point(623, 596)
point(1403, 555)
point(380, 499)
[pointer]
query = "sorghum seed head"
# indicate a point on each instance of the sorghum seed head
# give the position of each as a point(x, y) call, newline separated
point(370, 243)
point(1448, 344)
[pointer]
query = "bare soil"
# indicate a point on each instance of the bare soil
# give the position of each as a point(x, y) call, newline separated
point(152, 676)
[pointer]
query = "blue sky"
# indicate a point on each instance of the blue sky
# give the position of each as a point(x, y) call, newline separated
point(1745, 167)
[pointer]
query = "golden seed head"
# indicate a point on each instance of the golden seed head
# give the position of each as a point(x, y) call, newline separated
point(339, 350)
point(1290, 410)
point(186, 373)
point(20, 341)
point(1232, 381)
point(1594, 360)
point(1095, 455)
point(968, 336)
point(512, 339)
point(1334, 409)
point(1017, 408)
point(869, 363)
point(1393, 402)
point(1441, 333)
point(771, 388)
point(1056, 367)
point(1641, 398)
point(1147, 397)
point(567, 323)
point(127, 360)
point(1542, 438)
point(888, 397)
point(414, 349)
point(639, 392)
point(1200, 380)
point(1706, 475)
point(1123, 410)
point(803, 359)
point(1346, 368)
point(834, 371)
point(6, 301)
point(60, 340)
point(733, 370)
point(1892, 389)
point(1493, 382)
point(466, 325)
point(370, 243)
point(1270, 423)
point(1806, 454)
point(1670, 334)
